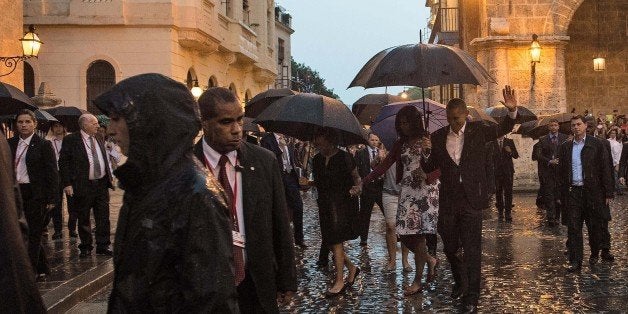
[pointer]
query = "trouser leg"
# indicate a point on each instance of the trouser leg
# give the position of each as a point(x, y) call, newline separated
point(101, 215)
point(366, 207)
point(576, 218)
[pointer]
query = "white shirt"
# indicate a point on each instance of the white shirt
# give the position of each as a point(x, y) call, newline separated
point(56, 145)
point(87, 142)
point(455, 142)
point(285, 156)
point(371, 150)
point(21, 173)
point(616, 148)
point(235, 179)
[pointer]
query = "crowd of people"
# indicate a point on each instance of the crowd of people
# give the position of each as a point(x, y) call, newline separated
point(205, 226)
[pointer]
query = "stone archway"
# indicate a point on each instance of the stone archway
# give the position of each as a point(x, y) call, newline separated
point(597, 91)
point(559, 16)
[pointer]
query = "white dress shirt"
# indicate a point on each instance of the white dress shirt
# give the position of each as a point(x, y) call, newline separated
point(235, 179)
point(56, 144)
point(21, 172)
point(88, 147)
point(616, 148)
point(455, 142)
point(285, 156)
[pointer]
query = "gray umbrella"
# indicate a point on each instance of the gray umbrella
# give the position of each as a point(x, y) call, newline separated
point(500, 112)
point(12, 100)
point(368, 106)
point(301, 115)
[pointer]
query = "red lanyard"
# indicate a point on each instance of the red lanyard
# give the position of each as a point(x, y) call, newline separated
point(234, 212)
point(19, 157)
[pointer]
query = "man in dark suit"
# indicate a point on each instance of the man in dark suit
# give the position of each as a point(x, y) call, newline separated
point(504, 151)
point(263, 252)
point(586, 184)
point(623, 165)
point(548, 171)
point(86, 177)
point(459, 150)
point(285, 154)
point(372, 192)
point(36, 173)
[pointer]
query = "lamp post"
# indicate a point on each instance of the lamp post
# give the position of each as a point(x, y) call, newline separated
point(30, 48)
point(535, 57)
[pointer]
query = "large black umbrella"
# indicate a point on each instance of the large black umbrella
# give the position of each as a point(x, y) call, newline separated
point(257, 104)
point(421, 65)
point(250, 126)
point(541, 128)
point(302, 114)
point(368, 106)
point(524, 128)
point(500, 112)
point(67, 115)
point(480, 115)
point(12, 100)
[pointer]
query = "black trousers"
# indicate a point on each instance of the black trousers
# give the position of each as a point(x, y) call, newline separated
point(56, 214)
point(371, 195)
point(72, 215)
point(581, 209)
point(460, 226)
point(248, 300)
point(503, 194)
point(295, 204)
point(96, 197)
point(550, 196)
point(34, 212)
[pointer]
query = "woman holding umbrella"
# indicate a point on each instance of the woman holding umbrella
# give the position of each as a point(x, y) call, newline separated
point(418, 200)
point(338, 182)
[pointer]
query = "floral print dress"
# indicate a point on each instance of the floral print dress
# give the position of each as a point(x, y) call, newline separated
point(418, 201)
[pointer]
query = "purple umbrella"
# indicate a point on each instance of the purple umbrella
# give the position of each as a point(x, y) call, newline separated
point(384, 124)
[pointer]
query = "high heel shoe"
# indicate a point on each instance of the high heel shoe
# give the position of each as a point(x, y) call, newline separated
point(329, 294)
point(350, 283)
point(431, 273)
point(407, 292)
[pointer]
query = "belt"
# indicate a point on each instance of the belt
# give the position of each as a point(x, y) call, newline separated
point(98, 180)
point(576, 187)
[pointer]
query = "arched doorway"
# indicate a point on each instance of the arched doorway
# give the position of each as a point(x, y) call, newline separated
point(597, 91)
point(100, 77)
point(29, 80)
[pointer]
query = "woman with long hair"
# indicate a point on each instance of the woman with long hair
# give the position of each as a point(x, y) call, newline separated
point(338, 183)
point(417, 214)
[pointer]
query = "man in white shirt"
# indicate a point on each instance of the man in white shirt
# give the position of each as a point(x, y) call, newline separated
point(56, 214)
point(616, 149)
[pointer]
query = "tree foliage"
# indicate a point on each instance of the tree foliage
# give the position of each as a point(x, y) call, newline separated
point(305, 79)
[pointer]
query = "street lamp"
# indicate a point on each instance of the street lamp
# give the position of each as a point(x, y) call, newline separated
point(30, 48)
point(535, 56)
point(404, 94)
point(196, 90)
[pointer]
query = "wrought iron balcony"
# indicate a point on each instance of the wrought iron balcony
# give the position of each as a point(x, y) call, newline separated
point(445, 30)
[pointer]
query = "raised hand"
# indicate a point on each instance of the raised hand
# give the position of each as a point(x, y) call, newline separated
point(510, 100)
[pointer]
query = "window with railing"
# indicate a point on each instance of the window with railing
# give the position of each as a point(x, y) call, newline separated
point(448, 19)
point(447, 92)
point(100, 77)
point(281, 50)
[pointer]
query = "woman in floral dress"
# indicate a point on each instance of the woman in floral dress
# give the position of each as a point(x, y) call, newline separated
point(417, 215)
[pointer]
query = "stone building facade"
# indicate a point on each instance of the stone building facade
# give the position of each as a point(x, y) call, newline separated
point(12, 30)
point(499, 34)
point(91, 44)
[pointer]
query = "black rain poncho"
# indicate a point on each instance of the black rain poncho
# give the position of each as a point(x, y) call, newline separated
point(173, 244)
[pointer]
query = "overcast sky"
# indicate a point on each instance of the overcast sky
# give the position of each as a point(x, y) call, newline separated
point(337, 37)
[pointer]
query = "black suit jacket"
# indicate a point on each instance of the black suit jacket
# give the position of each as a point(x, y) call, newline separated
point(472, 168)
point(363, 162)
point(502, 160)
point(74, 163)
point(41, 168)
point(269, 141)
point(547, 151)
point(623, 162)
point(596, 170)
point(269, 241)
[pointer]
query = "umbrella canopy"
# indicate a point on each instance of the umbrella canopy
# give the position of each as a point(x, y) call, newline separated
point(525, 127)
point(368, 106)
point(302, 114)
point(257, 104)
point(67, 115)
point(541, 128)
point(384, 125)
point(12, 100)
point(43, 120)
point(500, 112)
point(480, 115)
point(421, 65)
point(249, 126)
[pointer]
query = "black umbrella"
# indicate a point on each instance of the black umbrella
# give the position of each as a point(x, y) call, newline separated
point(479, 115)
point(302, 114)
point(12, 100)
point(250, 126)
point(524, 128)
point(67, 115)
point(257, 104)
point(541, 128)
point(500, 112)
point(368, 106)
point(421, 65)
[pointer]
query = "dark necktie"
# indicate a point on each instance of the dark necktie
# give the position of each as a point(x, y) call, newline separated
point(97, 172)
point(554, 140)
point(238, 254)
point(373, 154)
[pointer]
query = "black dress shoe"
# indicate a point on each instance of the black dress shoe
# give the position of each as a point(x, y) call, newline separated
point(457, 293)
point(301, 245)
point(85, 253)
point(73, 235)
point(105, 252)
point(57, 236)
point(322, 263)
point(574, 267)
point(469, 308)
point(607, 256)
point(593, 260)
point(363, 243)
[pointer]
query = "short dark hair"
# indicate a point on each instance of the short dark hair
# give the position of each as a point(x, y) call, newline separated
point(26, 112)
point(328, 134)
point(211, 98)
point(580, 117)
point(414, 119)
point(456, 103)
point(552, 120)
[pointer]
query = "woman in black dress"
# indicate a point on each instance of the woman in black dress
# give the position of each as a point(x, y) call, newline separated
point(338, 183)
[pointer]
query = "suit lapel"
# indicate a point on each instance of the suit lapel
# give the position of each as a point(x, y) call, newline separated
point(468, 135)
point(249, 173)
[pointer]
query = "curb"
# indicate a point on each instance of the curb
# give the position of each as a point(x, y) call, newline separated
point(63, 298)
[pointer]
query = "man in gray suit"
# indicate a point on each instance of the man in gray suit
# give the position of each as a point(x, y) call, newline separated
point(263, 248)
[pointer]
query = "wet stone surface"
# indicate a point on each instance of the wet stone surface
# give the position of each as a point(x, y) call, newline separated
point(523, 270)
